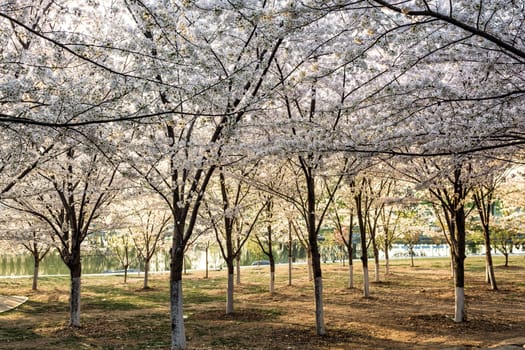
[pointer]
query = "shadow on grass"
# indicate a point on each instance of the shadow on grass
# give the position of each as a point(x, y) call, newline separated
point(11, 332)
point(243, 315)
point(32, 307)
point(299, 337)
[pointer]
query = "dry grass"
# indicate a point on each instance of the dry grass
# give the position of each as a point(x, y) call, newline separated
point(410, 308)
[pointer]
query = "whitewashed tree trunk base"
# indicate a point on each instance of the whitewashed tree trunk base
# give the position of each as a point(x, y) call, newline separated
point(74, 302)
point(319, 309)
point(35, 278)
point(229, 292)
point(459, 314)
point(178, 333)
point(366, 283)
point(350, 276)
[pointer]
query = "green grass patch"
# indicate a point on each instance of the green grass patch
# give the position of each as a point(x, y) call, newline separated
point(196, 296)
point(227, 342)
point(110, 305)
point(41, 307)
point(14, 332)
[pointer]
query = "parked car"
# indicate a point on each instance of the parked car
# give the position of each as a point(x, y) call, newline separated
point(260, 262)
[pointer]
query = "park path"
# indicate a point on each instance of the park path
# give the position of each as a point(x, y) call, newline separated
point(10, 302)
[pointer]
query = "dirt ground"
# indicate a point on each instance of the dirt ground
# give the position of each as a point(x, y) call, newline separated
point(411, 308)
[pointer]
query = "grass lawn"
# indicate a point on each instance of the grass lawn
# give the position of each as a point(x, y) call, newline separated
point(410, 308)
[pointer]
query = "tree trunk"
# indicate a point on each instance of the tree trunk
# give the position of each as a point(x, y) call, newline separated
point(146, 274)
point(75, 270)
point(459, 281)
point(126, 273)
point(387, 262)
point(272, 282)
point(272, 275)
point(290, 272)
point(206, 275)
point(178, 333)
point(35, 273)
point(315, 255)
point(310, 272)
point(453, 205)
point(376, 260)
point(459, 311)
point(459, 263)
point(350, 274)
point(483, 197)
point(366, 282)
point(489, 266)
point(411, 257)
point(452, 271)
point(376, 269)
point(290, 255)
point(319, 309)
point(362, 232)
point(229, 291)
point(318, 290)
point(350, 252)
point(364, 260)
point(238, 268)
point(506, 259)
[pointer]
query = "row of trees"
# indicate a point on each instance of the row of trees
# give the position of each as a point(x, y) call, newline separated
point(198, 102)
point(386, 213)
point(143, 234)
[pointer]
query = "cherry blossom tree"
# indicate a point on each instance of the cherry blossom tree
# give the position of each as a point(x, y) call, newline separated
point(22, 230)
point(121, 245)
point(38, 245)
point(147, 233)
point(451, 190)
point(274, 217)
point(362, 207)
point(268, 236)
point(233, 209)
point(483, 195)
point(183, 152)
point(389, 225)
point(68, 195)
point(411, 237)
point(449, 181)
point(506, 226)
point(343, 216)
point(344, 233)
point(375, 195)
point(185, 88)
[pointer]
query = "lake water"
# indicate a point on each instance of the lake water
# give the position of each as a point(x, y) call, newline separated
point(21, 265)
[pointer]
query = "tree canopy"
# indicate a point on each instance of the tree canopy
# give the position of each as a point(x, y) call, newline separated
point(169, 93)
